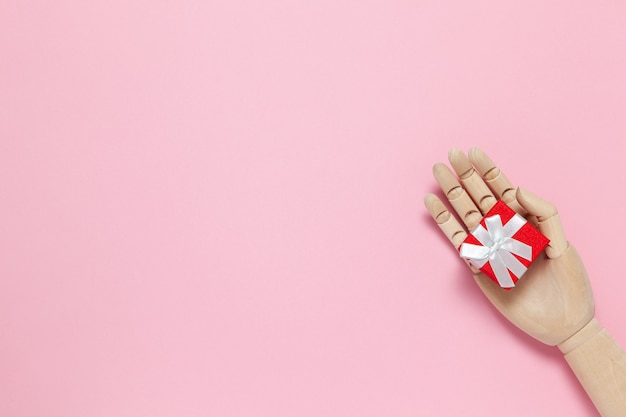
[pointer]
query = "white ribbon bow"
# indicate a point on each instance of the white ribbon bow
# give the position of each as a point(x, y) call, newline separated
point(498, 248)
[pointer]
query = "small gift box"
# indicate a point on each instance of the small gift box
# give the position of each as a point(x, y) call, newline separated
point(503, 245)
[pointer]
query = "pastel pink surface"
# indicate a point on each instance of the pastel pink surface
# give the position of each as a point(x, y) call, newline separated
point(215, 209)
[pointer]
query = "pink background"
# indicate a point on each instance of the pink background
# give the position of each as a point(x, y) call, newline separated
point(215, 208)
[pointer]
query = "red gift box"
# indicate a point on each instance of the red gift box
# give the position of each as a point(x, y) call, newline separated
point(503, 245)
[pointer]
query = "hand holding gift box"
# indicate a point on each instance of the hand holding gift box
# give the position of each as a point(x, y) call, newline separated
point(553, 301)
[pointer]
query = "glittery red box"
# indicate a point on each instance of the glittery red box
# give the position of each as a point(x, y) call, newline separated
point(503, 245)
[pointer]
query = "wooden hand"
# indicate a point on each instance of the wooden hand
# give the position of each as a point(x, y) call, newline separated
point(553, 301)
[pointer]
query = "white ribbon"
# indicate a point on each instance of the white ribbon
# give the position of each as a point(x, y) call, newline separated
point(498, 248)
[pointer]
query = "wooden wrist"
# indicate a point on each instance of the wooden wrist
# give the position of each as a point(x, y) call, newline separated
point(582, 336)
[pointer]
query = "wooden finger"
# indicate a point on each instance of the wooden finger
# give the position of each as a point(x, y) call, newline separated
point(448, 224)
point(458, 197)
point(548, 221)
point(472, 181)
point(495, 179)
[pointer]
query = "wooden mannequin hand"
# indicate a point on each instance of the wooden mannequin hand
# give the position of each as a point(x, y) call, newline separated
point(553, 300)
